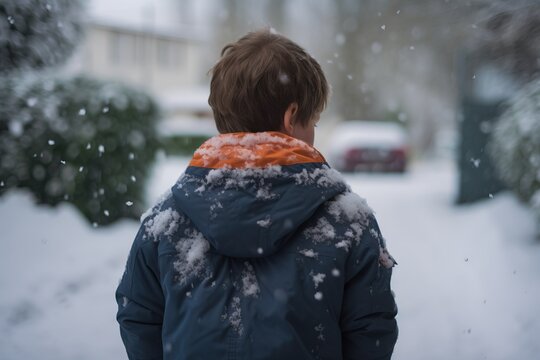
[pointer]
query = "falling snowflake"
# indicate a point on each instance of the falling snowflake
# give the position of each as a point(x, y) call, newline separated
point(31, 102)
point(284, 78)
point(475, 162)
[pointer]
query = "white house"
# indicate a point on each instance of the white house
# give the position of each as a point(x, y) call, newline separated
point(149, 47)
point(160, 61)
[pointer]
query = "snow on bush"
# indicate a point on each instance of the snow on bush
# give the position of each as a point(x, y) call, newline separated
point(79, 140)
point(515, 145)
point(36, 34)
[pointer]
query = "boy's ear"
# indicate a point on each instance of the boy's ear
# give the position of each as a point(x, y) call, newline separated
point(288, 118)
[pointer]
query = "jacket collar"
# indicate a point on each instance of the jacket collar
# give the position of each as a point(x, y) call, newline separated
point(254, 150)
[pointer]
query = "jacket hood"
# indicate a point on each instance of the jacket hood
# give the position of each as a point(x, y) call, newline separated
point(247, 193)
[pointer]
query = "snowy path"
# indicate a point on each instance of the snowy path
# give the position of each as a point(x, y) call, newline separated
point(466, 283)
point(57, 276)
point(467, 279)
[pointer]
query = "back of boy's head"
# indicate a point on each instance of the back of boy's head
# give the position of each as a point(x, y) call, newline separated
point(258, 77)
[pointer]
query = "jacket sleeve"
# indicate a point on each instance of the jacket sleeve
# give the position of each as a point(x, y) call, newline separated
point(369, 328)
point(140, 302)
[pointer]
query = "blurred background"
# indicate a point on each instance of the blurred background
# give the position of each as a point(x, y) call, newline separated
point(434, 118)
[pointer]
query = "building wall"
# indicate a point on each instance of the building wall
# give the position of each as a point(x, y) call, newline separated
point(158, 63)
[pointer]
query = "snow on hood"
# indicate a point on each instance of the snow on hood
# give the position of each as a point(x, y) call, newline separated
point(248, 193)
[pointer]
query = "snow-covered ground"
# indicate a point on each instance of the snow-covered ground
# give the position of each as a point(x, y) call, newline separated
point(466, 283)
point(467, 280)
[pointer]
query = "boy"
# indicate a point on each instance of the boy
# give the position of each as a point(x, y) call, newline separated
point(260, 250)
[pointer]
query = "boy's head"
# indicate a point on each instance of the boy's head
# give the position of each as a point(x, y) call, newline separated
point(262, 80)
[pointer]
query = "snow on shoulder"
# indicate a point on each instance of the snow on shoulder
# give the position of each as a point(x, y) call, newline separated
point(323, 177)
point(164, 222)
point(155, 208)
point(250, 286)
point(322, 231)
point(161, 220)
point(353, 210)
point(191, 260)
point(349, 207)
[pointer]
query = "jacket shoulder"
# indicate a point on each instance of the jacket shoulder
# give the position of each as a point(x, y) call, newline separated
point(346, 226)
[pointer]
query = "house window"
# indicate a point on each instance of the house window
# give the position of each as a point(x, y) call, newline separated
point(114, 47)
point(178, 55)
point(164, 53)
point(122, 48)
point(169, 53)
point(142, 50)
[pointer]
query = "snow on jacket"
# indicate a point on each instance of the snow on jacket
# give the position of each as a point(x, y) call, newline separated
point(259, 251)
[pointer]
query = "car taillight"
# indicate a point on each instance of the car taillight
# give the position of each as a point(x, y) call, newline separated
point(353, 154)
point(400, 152)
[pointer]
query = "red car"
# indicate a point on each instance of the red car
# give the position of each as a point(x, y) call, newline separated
point(368, 146)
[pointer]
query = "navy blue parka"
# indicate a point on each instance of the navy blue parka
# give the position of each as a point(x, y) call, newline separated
point(259, 251)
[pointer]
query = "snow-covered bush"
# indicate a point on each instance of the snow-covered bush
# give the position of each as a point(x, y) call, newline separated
point(515, 144)
point(85, 141)
point(36, 33)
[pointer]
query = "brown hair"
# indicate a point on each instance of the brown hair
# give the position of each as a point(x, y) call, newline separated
point(258, 77)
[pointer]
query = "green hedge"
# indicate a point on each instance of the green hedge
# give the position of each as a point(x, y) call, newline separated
point(81, 140)
point(182, 144)
point(37, 34)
